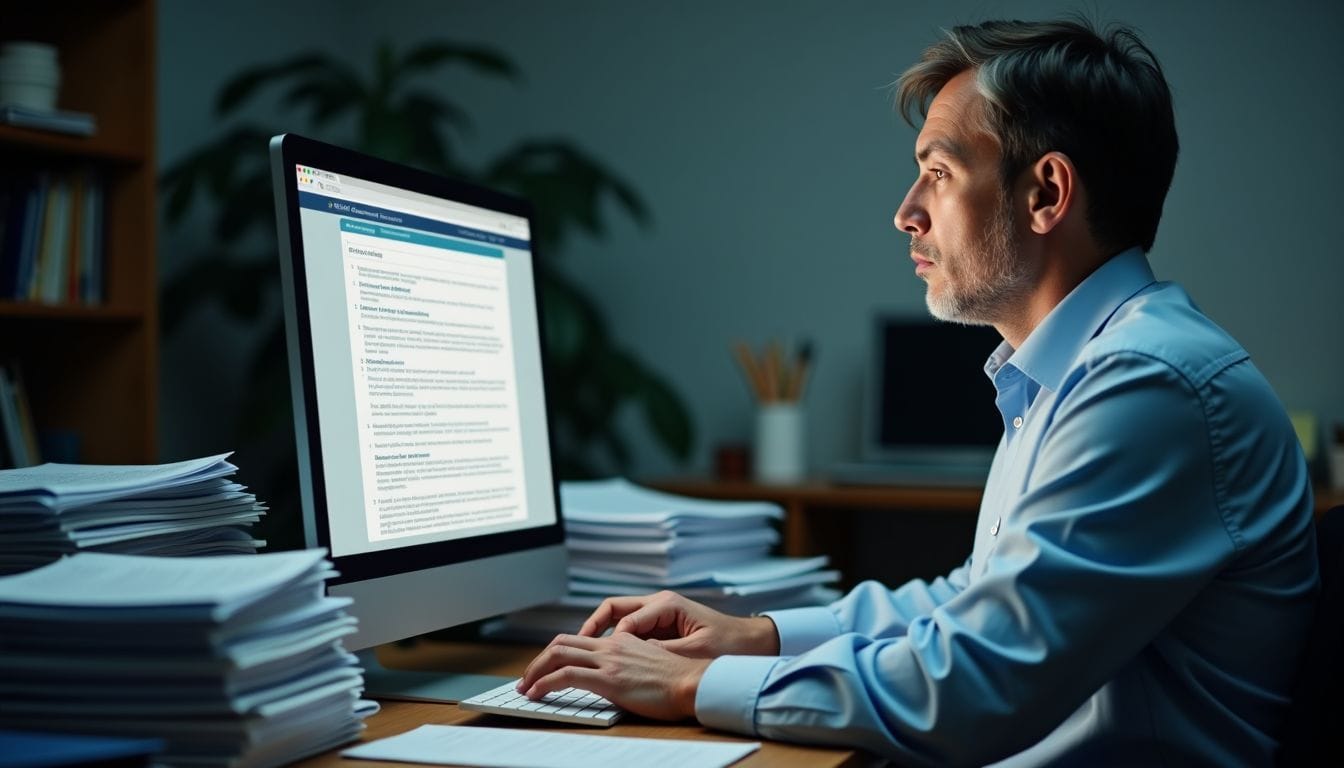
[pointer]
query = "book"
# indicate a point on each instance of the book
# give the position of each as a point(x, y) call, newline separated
point(26, 287)
point(55, 239)
point(15, 447)
point(26, 426)
point(91, 278)
point(60, 121)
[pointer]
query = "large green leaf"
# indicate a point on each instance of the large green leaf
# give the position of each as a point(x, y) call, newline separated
point(246, 83)
point(215, 169)
point(567, 185)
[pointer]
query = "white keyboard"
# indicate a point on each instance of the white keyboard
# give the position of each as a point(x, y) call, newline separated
point(569, 705)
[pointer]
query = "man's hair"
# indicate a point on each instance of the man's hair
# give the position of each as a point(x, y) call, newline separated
point(1098, 97)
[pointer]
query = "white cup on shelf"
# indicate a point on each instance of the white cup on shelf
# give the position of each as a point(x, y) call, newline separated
point(781, 445)
point(30, 75)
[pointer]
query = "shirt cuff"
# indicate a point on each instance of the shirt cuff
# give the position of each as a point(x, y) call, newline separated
point(802, 629)
point(726, 697)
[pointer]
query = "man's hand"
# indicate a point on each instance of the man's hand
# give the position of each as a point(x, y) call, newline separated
point(633, 673)
point(684, 626)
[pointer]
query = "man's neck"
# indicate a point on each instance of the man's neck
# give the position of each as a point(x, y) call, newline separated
point(1062, 270)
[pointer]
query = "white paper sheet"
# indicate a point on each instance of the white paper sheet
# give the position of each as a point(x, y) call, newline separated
point(92, 580)
point(620, 501)
point(510, 748)
point(60, 486)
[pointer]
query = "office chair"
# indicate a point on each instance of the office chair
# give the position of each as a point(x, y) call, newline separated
point(1314, 733)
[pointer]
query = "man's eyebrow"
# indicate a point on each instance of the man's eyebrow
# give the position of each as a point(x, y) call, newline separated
point(947, 147)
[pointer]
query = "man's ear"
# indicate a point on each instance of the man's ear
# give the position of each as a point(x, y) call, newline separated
point(1052, 191)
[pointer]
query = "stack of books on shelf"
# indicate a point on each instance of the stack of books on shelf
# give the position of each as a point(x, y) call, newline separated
point(627, 540)
point(234, 662)
point(51, 237)
point(184, 508)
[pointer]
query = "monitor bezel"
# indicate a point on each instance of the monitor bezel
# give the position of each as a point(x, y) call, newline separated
point(288, 151)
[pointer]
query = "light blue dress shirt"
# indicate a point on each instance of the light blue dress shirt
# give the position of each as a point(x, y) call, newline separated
point(1141, 582)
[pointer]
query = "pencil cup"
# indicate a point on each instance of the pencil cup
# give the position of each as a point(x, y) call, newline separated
point(780, 443)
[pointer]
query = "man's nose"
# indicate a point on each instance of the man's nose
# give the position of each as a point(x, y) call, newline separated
point(911, 217)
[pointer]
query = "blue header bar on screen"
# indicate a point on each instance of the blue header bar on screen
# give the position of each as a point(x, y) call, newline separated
point(418, 238)
point(316, 202)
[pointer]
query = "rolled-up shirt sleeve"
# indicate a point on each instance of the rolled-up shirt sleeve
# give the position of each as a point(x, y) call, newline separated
point(1117, 530)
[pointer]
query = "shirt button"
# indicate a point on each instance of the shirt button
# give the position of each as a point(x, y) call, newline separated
point(1017, 422)
point(994, 529)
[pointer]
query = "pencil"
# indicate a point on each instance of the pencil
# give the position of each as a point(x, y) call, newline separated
point(774, 371)
point(753, 374)
point(802, 364)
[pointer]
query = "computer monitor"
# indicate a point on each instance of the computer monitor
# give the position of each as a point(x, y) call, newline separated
point(929, 417)
point(928, 394)
point(415, 359)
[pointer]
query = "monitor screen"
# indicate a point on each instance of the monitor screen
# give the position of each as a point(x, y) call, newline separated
point(417, 377)
point(930, 390)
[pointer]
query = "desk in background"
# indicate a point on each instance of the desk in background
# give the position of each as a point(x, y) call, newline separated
point(809, 507)
point(889, 533)
point(501, 659)
point(820, 519)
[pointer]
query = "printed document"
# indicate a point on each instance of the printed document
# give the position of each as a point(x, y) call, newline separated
point(510, 748)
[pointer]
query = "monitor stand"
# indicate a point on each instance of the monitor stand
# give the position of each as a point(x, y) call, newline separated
point(413, 685)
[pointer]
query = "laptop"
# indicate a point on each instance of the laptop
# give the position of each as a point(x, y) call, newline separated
point(928, 417)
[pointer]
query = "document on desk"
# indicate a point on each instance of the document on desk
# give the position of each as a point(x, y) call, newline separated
point(511, 748)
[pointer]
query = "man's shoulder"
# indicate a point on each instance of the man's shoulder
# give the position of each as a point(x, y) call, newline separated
point(1164, 325)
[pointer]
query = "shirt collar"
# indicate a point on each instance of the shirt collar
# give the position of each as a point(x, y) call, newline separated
point(1052, 347)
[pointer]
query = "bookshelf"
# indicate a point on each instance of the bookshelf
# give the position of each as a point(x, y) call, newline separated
point(93, 369)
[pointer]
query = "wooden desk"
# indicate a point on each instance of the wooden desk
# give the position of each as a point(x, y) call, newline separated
point(502, 659)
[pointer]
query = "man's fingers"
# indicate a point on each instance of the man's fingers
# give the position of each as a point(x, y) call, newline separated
point(564, 651)
point(612, 610)
point(569, 677)
point(648, 618)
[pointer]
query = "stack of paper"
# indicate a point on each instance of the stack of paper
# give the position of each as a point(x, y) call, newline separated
point(234, 661)
point(627, 540)
point(185, 508)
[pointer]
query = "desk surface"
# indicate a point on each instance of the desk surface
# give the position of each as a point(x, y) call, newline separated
point(499, 659)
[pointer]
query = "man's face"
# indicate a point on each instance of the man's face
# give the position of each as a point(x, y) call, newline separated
point(963, 237)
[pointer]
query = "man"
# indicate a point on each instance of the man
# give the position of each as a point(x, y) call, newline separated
point(1143, 570)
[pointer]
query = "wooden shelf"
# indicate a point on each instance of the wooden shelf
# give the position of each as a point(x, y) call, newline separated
point(98, 148)
point(58, 312)
point(92, 371)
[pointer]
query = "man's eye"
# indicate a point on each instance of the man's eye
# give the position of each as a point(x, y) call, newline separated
point(938, 173)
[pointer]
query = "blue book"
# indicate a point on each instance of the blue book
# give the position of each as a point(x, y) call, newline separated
point(30, 749)
point(91, 240)
point(32, 237)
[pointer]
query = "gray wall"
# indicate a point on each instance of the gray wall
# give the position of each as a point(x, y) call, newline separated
point(762, 136)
